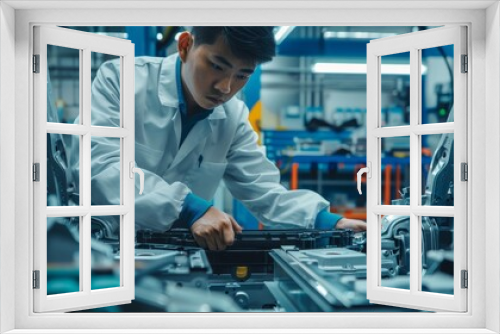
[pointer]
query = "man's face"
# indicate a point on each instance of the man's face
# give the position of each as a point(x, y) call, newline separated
point(212, 74)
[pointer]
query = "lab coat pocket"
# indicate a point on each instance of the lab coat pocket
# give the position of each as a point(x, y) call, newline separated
point(147, 158)
point(204, 178)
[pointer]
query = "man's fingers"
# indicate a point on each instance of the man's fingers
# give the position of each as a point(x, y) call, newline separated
point(236, 227)
point(216, 230)
point(219, 242)
point(351, 224)
point(357, 225)
point(227, 234)
point(200, 241)
point(208, 242)
point(211, 243)
point(361, 226)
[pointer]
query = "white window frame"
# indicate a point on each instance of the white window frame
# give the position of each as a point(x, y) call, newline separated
point(85, 43)
point(483, 292)
point(414, 43)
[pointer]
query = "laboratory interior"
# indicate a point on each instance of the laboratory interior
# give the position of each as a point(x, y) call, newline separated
point(308, 107)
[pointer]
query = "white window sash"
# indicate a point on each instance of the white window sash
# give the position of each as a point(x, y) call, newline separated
point(412, 43)
point(86, 297)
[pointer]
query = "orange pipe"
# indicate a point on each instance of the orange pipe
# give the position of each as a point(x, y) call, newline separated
point(294, 178)
point(387, 187)
point(398, 181)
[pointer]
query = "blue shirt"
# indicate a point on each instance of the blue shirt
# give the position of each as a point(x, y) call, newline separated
point(194, 206)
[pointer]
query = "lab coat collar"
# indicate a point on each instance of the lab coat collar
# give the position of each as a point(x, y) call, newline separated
point(167, 88)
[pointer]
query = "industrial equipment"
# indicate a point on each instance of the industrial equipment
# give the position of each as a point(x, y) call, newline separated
point(276, 271)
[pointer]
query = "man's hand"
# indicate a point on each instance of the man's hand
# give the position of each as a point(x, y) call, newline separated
point(215, 230)
point(351, 224)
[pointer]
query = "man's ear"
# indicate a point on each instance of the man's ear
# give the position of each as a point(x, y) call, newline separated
point(184, 45)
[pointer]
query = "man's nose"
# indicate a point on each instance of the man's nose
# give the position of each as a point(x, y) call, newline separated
point(224, 85)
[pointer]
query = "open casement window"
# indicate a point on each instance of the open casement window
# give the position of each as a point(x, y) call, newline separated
point(422, 206)
point(63, 217)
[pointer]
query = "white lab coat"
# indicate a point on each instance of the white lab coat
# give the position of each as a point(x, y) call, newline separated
point(225, 140)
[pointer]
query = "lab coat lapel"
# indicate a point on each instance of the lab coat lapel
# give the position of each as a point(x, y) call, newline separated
point(197, 137)
point(177, 127)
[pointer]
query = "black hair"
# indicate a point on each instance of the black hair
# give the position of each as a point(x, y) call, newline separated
point(250, 43)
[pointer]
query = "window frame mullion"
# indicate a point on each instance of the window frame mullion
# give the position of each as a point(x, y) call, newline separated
point(415, 170)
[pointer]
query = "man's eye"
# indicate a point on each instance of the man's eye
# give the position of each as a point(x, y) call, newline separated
point(243, 77)
point(216, 67)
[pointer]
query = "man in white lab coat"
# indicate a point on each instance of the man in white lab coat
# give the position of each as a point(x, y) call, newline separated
point(191, 133)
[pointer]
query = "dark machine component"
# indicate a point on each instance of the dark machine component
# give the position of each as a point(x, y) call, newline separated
point(237, 278)
point(251, 240)
point(243, 270)
point(169, 279)
point(249, 295)
point(251, 248)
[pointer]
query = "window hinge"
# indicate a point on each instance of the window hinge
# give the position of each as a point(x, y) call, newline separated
point(465, 279)
point(36, 279)
point(465, 171)
point(36, 172)
point(36, 63)
point(465, 64)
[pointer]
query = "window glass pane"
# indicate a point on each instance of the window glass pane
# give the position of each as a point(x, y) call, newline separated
point(395, 173)
point(437, 255)
point(106, 243)
point(63, 169)
point(437, 84)
point(63, 84)
point(63, 255)
point(105, 78)
point(105, 171)
point(395, 89)
point(437, 169)
point(395, 252)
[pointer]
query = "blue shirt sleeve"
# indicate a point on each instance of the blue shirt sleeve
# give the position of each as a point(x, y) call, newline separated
point(325, 220)
point(193, 209)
